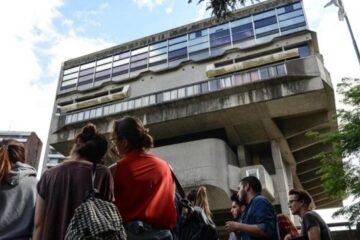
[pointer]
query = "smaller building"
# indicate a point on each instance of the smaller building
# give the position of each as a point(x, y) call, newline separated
point(54, 158)
point(32, 142)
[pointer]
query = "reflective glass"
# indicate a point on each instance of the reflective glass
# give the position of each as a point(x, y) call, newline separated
point(68, 83)
point(131, 104)
point(181, 92)
point(99, 112)
point(145, 101)
point(70, 76)
point(292, 21)
point(198, 40)
point(242, 21)
point(173, 94)
point(177, 40)
point(152, 99)
point(121, 62)
point(198, 34)
point(88, 65)
point(137, 102)
point(166, 96)
point(86, 72)
point(103, 67)
point(265, 22)
point(80, 116)
point(158, 52)
point(104, 60)
point(158, 58)
point(218, 28)
point(263, 15)
point(158, 45)
point(177, 46)
point(181, 53)
point(121, 56)
point(290, 15)
point(92, 113)
point(139, 57)
point(267, 29)
point(199, 47)
point(71, 70)
point(87, 114)
point(139, 51)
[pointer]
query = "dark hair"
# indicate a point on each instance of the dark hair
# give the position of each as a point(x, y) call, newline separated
point(235, 198)
point(253, 182)
point(303, 195)
point(192, 195)
point(133, 130)
point(89, 144)
point(11, 151)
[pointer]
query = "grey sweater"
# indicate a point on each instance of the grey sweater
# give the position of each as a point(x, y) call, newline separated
point(17, 203)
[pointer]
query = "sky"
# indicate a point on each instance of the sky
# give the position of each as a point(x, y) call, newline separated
point(38, 35)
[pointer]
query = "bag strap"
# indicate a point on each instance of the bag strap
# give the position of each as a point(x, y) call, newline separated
point(93, 190)
point(177, 183)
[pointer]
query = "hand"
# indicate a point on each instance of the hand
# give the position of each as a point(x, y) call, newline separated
point(231, 226)
point(287, 237)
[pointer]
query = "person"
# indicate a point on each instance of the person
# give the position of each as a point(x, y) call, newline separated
point(198, 198)
point(17, 192)
point(313, 226)
point(237, 209)
point(259, 220)
point(287, 229)
point(144, 187)
point(64, 187)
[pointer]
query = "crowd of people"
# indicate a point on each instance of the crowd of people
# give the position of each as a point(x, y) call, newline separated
point(141, 186)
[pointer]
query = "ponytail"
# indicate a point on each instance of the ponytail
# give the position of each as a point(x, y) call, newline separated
point(11, 151)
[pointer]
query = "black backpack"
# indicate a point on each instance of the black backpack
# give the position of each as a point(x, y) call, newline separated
point(196, 225)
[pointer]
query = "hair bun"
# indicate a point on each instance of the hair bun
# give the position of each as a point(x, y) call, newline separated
point(88, 131)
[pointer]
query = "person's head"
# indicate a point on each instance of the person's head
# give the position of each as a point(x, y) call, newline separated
point(89, 145)
point(191, 196)
point(11, 151)
point(248, 187)
point(129, 133)
point(300, 201)
point(237, 208)
point(202, 201)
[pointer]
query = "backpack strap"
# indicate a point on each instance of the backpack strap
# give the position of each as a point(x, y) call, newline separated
point(93, 191)
point(177, 183)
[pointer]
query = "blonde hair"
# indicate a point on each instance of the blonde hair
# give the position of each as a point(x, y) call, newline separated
point(202, 201)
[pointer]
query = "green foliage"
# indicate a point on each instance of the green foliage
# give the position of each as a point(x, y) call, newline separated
point(342, 178)
point(221, 8)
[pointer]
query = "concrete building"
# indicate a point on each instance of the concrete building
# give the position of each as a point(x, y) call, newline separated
point(223, 98)
point(32, 144)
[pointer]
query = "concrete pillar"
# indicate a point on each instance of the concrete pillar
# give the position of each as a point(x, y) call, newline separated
point(241, 156)
point(281, 180)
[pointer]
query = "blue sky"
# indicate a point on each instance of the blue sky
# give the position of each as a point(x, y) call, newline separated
point(38, 35)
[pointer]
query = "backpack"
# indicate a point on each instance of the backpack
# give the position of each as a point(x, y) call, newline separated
point(96, 219)
point(196, 225)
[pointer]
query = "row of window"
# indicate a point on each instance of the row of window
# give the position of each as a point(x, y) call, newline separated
point(201, 44)
point(237, 79)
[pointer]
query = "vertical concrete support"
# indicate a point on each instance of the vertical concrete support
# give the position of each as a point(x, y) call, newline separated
point(281, 180)
point(241, 156)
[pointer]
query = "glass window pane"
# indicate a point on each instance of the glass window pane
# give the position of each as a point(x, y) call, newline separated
point(103, 67)
point(88, 65)
point(166, 96)
point(205, 87)
point(139, 57)
point(70, 76)
point(118, 107)
point(267, 28)
point(189, 91)
point(281, 69)
point(290, 15)
point(139, 51)
point(104, 60)
point(106, 110)
point(214, 85)
point(74, 117)
point(98, 112)
point(197, 89)
point(121, 56)
point(254, 75)
point(158, 58)
point(264, 14)
point(131, 104)
point(80, 116)
point(181, 53)
point(272, 71)
point(265, 22)
point(137, 102)
point(264, 73)
point(198, 40)
point(292, 21)
point(199, 47)
point(68, 83)
point(86, 72)
point(68, 119)
point(87, 114)
point(178, 40)
point(152, 99)
point(177, 46)
point(92, 113)
point(121, 62)
point(158, 52)
point(198, 34)
point(158, 45)
point(219, 28)
point(173, 94)
point(181, 92)
point(124, 106)
point(145, 101)
point(71, 70)
point(159, 97)
point(242, 21)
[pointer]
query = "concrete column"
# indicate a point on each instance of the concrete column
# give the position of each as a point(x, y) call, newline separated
point(241, 156)
point(281, 180)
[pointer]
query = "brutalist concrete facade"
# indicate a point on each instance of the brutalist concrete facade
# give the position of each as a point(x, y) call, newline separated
point(223, 98)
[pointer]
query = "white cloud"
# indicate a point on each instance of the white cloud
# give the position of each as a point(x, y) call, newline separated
point(202, 13)
point(148, 3)
point(169, 10)
point(32, 51)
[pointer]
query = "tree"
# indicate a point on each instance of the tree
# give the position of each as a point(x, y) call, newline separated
point(340, 171)
point(221, 8)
